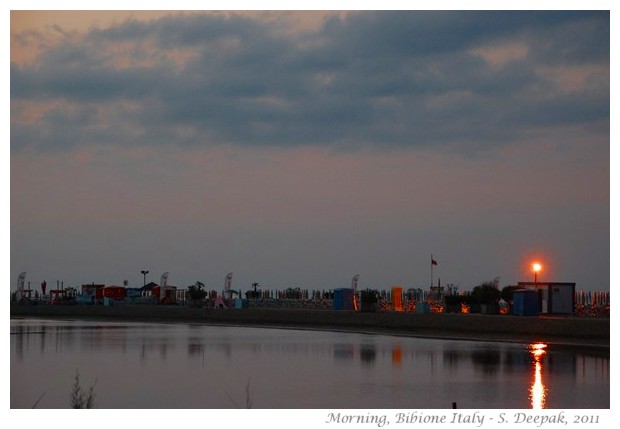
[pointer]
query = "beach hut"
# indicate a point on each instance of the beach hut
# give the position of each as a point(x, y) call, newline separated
point(397, 298)
point(343, 299)
point(93, 290)
point(113, 295)
point(147, 289)
point(525, 302)
point(133, 292)
point(553, 297)
point(116, 293)
point(166, 294)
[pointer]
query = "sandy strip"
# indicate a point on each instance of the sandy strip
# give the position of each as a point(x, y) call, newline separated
point(561, 330)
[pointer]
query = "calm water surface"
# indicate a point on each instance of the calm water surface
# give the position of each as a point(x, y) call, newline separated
point(142, 365)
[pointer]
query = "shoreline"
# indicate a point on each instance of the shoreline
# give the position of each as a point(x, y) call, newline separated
point(566, 331)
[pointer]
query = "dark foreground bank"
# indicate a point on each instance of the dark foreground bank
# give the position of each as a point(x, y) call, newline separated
point(572, 331)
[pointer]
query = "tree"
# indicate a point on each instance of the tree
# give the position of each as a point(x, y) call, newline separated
point(487, 292)
point(370, 300)
point(507, 292)
point(255, 293)
point(197, 292)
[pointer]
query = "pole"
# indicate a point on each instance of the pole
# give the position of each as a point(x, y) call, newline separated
point(431, 271)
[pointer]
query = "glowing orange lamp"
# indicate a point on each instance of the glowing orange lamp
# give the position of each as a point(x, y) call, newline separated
point(536, 267)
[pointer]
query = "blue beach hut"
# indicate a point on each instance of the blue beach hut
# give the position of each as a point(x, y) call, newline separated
point(525, 302)
point(343, 299)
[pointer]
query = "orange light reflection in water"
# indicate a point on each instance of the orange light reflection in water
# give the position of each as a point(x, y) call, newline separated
point(397, 356)
point(538, 392)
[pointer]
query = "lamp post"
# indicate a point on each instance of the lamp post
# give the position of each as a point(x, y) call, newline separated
point(536, 267)
point(144, 273)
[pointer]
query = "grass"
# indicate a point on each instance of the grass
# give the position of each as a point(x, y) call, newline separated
point(248, 397)
point(86, 399)
point(80, 398)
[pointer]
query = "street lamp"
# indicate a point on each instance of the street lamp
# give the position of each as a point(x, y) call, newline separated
point(144, 273)
point(536, 267)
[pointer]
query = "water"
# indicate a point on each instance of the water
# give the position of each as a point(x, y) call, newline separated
point(142, 365)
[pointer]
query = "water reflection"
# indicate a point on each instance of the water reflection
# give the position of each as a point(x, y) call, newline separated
point(343, 351)
point(452, 359)
point(299, 369)
point(487, 359)
point(368, 354)
point(538, 392)
point(195, 347)
point(397, 356)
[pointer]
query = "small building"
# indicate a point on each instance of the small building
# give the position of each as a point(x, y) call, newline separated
point(165, 294)
point(133, 292)
point(147, 289)
point(344, 299)
point(553, 297)
point(116, 293)
point(525, 302)
point(397, 298)
point(94, 290)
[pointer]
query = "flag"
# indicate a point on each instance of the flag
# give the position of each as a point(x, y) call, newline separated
point(21, 279)
point(433, 262)
point(354, 281)
point(228, 283)
point(163, 285)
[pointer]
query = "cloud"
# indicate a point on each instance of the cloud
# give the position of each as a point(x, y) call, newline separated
point(383, 79)
point(365, 139)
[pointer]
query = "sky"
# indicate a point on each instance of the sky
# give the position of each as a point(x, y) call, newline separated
point(300, 148)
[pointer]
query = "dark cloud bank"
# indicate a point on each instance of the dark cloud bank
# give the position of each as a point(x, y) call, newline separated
point(378, 78)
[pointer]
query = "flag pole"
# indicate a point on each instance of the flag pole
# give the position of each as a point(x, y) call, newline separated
point(431, 271)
